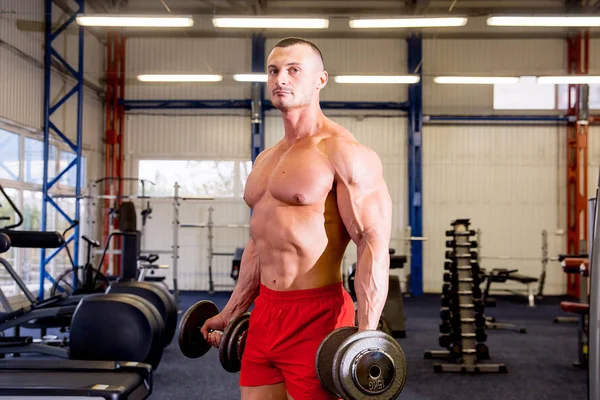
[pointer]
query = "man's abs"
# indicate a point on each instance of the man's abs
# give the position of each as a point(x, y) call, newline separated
point(298, 247)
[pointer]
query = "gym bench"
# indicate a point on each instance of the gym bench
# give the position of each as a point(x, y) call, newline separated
point(501, 275)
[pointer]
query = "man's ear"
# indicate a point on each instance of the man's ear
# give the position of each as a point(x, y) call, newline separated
point(323, 79)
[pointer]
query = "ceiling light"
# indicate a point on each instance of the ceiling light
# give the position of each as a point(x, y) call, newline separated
point(250, 77)
point(569, 79)
point(180, 78)
point(115, 20)
point(401, 79)
point(476, 80)
point(408, 22)
point(548, 21)
point(270, 22)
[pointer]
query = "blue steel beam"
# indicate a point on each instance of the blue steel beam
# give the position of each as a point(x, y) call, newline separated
point(499, 118)
point(257, 122)
point(51, 53)
point(247, 104)
point(415, 193)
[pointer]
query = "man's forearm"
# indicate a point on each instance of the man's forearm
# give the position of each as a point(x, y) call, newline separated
point(371, 281)
point(248, 284)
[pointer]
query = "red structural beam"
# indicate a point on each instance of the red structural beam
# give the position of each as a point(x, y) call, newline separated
point(577, 158)
point(113, 156)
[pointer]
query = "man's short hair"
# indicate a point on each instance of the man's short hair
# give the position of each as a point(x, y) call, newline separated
point(290, 41)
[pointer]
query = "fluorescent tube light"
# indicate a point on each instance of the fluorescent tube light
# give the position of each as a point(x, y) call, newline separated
point(569, 79)
point(270, 22)
point(180, 78)
point(250, 77)
point(547, 21)
point(408, 22)
point(476, 80)
point(401, 79)
point(116, 20)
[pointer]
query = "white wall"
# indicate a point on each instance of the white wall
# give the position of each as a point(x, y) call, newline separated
point(509, 180)
point(22, 78)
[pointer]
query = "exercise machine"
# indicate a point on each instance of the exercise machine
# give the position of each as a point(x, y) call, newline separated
point(59, 379)
point(594, 301)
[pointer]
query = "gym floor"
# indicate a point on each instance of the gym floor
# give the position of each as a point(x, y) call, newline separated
point(539, 362)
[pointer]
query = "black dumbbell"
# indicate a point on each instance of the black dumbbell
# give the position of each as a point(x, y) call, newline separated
point(483, 352)
point(445, 327)
point(233, 340)
point(479, 320)
point(445, 314)
point(361, 365)
point(453, 244)
point(445, 340)
point(480, 335)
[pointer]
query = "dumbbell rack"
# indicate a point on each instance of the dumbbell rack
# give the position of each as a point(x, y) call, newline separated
point(462, 312)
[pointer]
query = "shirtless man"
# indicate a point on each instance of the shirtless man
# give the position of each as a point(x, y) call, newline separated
point(311, 193)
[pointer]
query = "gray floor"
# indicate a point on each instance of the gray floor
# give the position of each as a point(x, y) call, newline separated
point(539, 362)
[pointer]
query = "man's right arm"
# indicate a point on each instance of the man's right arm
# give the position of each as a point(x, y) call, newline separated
point(248, 284)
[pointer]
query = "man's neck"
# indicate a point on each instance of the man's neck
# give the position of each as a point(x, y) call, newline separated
point(302, 122)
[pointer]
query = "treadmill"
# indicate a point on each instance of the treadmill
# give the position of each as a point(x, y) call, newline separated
point(74, 379)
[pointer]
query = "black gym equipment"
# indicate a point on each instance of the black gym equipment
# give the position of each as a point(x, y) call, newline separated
point(581, 309)
point(50, 379)
point(463, 328)
point(102, 326)
point(93, 281)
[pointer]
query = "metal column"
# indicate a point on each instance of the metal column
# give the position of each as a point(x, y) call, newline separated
point(415, 196)
point(594, 301)
point(257, 102)
point(115, 132)
point(51, 55)
point(577, 157)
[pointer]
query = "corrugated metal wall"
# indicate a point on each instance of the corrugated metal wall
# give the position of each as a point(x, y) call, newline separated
point(594, 56)
point(22, 76)
point(187, 56)
point(495, 57)
point(509, 181)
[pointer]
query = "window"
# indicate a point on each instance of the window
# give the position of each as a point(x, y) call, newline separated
point(70, 177)
point(525, 95)
point(11, 255)
point(195, 177)
point(21, 172)
point(10, 155)
point(34, 161)
point(563, 97)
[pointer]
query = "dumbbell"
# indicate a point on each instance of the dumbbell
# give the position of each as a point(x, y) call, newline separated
point(233, 339)
point(361, 365)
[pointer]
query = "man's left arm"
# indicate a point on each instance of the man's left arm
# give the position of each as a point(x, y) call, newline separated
point(366, 208)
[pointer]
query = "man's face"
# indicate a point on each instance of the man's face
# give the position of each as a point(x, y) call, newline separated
point(295, 76)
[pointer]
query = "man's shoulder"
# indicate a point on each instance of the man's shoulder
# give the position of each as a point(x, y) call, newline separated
point(346, 154)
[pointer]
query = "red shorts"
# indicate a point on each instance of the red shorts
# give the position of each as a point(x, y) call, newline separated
point(285, 331)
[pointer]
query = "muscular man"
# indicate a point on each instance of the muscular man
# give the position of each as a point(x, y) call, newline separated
point(311, 193)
